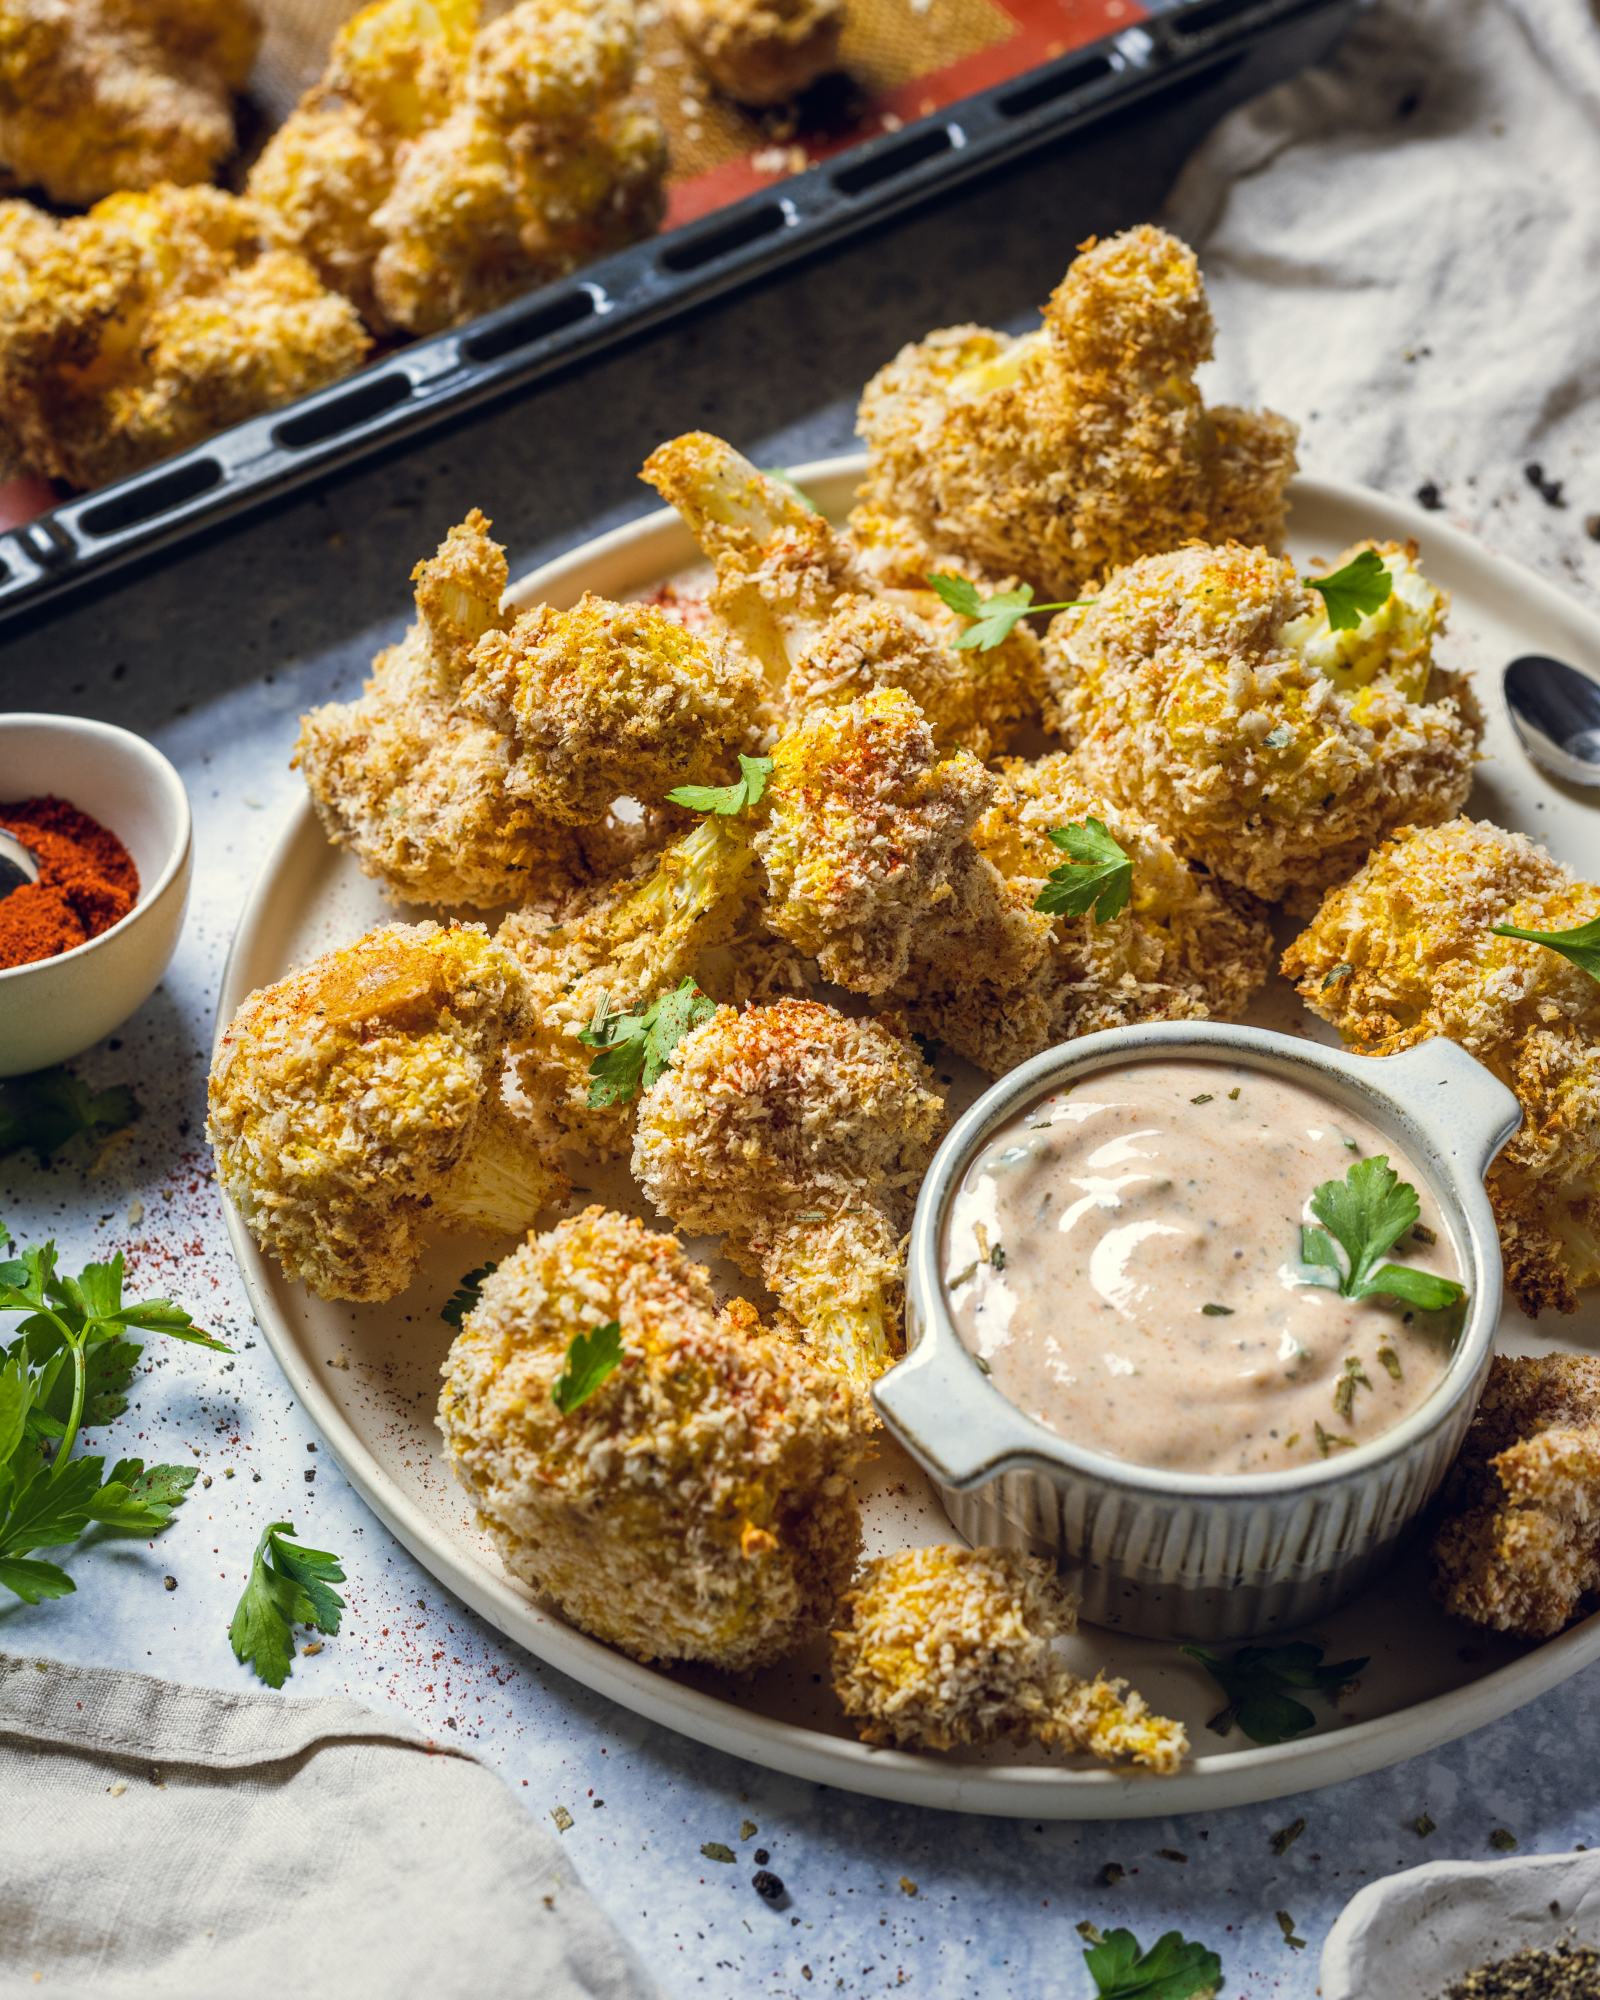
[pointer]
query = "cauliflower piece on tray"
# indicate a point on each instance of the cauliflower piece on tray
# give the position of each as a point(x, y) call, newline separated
point(800, 1136)
point(98, 96)
point(945, 1648)
point(151, 322)
point(356, 1103)
point(1406, 949)
point(697, 1504)
point(1519, 1547)
point(761, 52)
point(1207, 691)
point(1060, 455)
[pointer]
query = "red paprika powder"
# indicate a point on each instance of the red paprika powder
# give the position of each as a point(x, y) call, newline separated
point(87, 881)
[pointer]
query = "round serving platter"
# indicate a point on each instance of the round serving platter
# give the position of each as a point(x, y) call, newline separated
point(368, 1376)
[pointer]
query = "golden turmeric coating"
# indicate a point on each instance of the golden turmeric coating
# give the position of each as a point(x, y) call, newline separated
point(442, 166)
point(152, 321)
point(791, 589)
point(1206, 690)
point(696, 1506)
point(800, 1136)
point(1060, 455)
point(941, 1648)
point(1519, 1548)
point(97, 96)
point(761, 52)
point(356, 1104)
point(612, 698)
point(1406, 949)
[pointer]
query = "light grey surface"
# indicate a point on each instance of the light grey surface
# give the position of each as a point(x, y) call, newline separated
point(215, 657)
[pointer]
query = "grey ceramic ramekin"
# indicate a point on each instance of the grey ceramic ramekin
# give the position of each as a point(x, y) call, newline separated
point(1181, 1554)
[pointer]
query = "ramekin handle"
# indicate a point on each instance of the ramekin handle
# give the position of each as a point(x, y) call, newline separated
point(1467, 1110)
point(928, 1403)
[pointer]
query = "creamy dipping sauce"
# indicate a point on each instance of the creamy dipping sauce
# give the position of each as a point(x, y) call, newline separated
point(1124, 1259)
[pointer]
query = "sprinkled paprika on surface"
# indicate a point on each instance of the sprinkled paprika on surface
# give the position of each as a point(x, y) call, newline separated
point(87, 881)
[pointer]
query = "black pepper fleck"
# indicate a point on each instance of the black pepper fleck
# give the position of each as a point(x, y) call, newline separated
point(1428, 496)
point(1550, 491)
point(768, 1887)
point(762, 1857)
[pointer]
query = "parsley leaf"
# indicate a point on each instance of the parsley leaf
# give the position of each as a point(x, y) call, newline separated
point(592, 1358)
point(1256, 1680)
point(1356, 590)
point(991, 619)
point(289, 1585)
point(1172, 1969)
point(51, 1107)
point(1580, 945)
point(634, 1046)
point(726, 800)
point(465, 1296)
point(1097, 874)
point(1368, 1212)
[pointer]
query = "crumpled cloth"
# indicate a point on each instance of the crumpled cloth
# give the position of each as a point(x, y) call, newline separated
point(197, 1845)
point(1402, 249)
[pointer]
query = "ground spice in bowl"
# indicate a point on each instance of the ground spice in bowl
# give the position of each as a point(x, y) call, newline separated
point(1564, 1972)
point(87, 881)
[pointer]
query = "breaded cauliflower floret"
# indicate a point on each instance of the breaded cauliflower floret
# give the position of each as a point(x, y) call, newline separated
point(1191, 691)
point(792, 590)
point(1058, 456)
point(151, 322)
point(696, 1506)
point(1180, 950)
point(612, 698)
point(1406, 949)
point(945, 1647)
point(356, 1103)
point(1519, 1548)
point(800, 1136)
point(761, 52)
point(102, 95)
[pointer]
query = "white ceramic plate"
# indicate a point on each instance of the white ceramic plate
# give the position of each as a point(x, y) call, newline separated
point(367, 1376)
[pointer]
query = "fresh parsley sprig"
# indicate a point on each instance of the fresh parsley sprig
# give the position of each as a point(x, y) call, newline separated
point(1355, 591)
point(1174, 1968)
point(727, 800)
point(289, 1585)
point(1580, 945)
point(1256, 1681)
point(465, 1296)
point(991, 619)
point(592, 1359)
point(1367, 1213)
point(634, 1046)
point(1097, 874)
point(49, 1108)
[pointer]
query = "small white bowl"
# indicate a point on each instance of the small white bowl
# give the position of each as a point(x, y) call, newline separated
point(57, 1007)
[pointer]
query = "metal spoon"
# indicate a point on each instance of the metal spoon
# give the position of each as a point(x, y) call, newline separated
point(18, 867)
point(1555, 711)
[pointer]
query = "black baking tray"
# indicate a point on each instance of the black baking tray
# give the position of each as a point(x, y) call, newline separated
point(422, 387)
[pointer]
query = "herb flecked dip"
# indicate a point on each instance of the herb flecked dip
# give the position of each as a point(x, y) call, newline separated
point(1127, 1259)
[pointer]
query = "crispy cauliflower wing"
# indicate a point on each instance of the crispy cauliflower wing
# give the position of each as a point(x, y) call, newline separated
point(942, 1648)
point(799, 1136)
point(697, 1505)
point(1406, 949)
point(151, 322)
point(356, 1103)
point(97, 96)
point(1060, 455)
point(1519, 1546)
point(1206, 691)
point(761, 52)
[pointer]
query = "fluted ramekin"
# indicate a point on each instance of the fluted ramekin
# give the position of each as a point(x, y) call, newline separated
point(1171, 1554)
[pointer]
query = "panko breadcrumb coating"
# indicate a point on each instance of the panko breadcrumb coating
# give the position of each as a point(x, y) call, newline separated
point(441, 167)
point(790, 587)
point(697, 1506)
point(1061, 455)
point(800, 1137)
point(942, 1648)
point(761, 52)
point(97, 96)
point(1205, 690)
point(420, 791)
point(1519, 1548)
point(1405, 950)
point(610, 698)
point(151, 322)
point(356, 1103)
